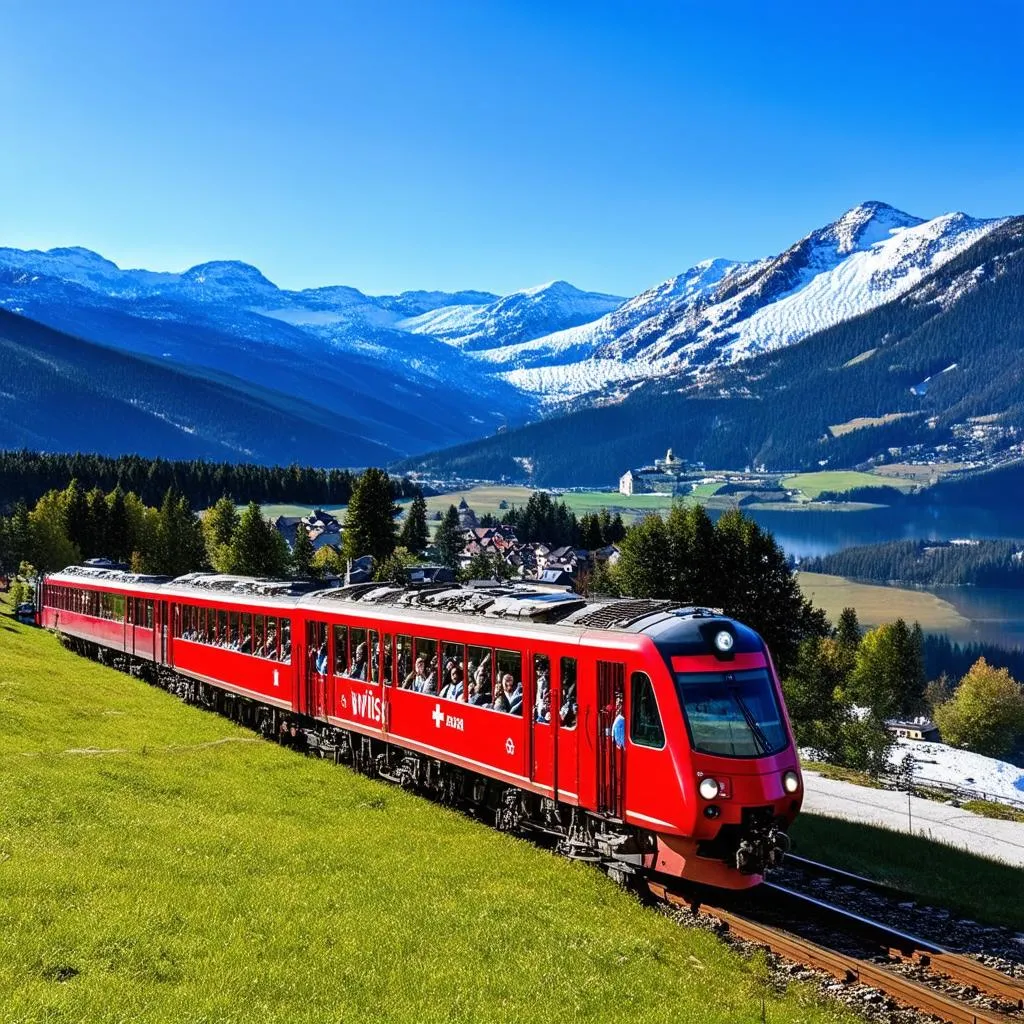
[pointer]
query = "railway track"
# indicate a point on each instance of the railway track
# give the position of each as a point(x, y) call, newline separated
point(949, 986)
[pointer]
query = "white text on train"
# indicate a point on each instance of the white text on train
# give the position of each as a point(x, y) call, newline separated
point(365, 705)
point(449, 721)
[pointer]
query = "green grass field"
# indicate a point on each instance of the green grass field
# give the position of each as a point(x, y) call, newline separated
point(812, 484)
point(876, 604)
point(158, 864)
point(941, 875)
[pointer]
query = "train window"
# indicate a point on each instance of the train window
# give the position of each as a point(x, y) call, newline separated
point(359, 653)
point(453, 669)
point(386, 661)
point(508, 694)
point(233, 629)
point(149, 615)
point(542, 680)
point(403, 659)
point(245, 644)
point(286, 641)
point(373, 655)
point(340, 650)
point(480, 673)
point(259, 634)
point(425, 669)
point(270, 650)
point(567, 695)
point(644, 721)
point(222, 628)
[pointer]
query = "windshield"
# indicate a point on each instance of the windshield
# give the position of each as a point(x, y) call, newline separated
point(732, 714)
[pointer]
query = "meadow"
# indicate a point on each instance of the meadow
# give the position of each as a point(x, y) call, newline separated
point(876, 604)
point(160, 864)
point(811, 485)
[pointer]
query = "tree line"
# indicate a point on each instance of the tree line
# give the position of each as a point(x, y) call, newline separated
point(26, 476)
point(983, 563)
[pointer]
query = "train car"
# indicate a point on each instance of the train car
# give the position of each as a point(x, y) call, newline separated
point(106, 612)
point(637, 734)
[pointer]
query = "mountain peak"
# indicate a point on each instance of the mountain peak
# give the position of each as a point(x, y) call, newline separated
point(226, 272)
point(867, 223)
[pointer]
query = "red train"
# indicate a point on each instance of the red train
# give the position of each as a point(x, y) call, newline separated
point(636, 734)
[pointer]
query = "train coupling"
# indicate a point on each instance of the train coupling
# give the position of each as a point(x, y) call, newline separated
point(760, 849)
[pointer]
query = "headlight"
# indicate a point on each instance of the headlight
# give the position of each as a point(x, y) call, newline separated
point(790, 782)
point(723, 640)
point(708, 789)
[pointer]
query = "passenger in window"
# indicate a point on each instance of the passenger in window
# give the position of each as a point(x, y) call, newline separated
point(246, 645)
point(357, 670)
point(513, 691)
point(419, 679)
point(500, 701)
point(567, 712)
point(453, 690)
point(321, 659)
point(542, 706)
point(479, 691)
point(619, 721)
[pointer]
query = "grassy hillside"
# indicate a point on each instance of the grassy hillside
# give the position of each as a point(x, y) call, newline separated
point(159, 864)
point(934, 871)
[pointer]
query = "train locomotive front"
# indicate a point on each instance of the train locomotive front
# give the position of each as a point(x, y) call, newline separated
point(725, 784)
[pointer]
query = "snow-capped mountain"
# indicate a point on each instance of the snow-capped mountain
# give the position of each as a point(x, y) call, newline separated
point(519, 317)
point(470, 361)
point(722, 312)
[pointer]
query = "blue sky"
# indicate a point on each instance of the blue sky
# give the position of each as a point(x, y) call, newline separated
point(432, 144)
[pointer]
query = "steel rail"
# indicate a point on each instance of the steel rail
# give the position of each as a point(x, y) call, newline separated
point(841, 966)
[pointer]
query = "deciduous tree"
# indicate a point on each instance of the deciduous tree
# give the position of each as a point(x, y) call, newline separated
point(986, 714)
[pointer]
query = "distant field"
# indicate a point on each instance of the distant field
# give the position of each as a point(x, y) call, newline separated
point(158, 864)
point(299, 510)
point(867, 421)
point(812, 484)
point(921, 474)
point(877, 604)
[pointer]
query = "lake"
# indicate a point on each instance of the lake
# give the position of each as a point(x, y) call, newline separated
point(997, 615)
point(804, 534)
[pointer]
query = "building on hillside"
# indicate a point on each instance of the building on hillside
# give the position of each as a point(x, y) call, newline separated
point(322, 527)
point(663, 477)
point(919, 729)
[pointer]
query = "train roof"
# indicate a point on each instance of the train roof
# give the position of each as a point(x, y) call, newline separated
point(671, 625)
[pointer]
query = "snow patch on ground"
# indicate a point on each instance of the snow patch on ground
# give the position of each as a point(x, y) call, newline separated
point(998, 780)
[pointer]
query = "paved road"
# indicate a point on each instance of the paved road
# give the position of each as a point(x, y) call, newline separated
point(1001, 840)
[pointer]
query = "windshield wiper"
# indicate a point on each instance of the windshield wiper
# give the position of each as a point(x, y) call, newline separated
point(752, 724)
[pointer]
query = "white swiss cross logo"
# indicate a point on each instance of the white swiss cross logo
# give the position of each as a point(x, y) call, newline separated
point(438, 716)
point(510, 747)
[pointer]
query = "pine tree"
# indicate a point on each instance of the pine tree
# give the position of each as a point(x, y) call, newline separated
point(98, 523)
point(414, 536)
point(179, 545)
point(302, 554)
point(257, 548)
point(76, 518)
point(117, 525)
point(448, 539)
point(370, 517)
point(219, 526)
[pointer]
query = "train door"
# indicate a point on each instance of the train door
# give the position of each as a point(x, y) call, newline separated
point(543, 725)
point(164, 628)
point(611, 736)
point(564, 712)
point(317, 662)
